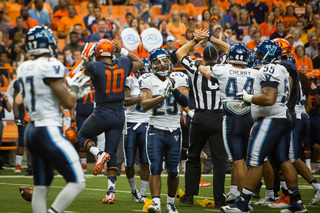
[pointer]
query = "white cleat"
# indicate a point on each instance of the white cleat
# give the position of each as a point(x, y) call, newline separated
point(171, 208)
point(316, 198)
point(154, 209)
point(101, 160)
point(265, 201)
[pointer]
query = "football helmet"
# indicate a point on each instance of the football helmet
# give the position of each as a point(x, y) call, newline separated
point(285, 46)
point(104, 48)
point(267, 52)
point(291, 58)
point(160, 62)
point(238, 54)
point(40, 40)
point(143, 70)
point(71, 134)
point(251, 59)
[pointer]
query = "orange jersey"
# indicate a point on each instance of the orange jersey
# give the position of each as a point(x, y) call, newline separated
point(27, 24)
point(290, 21)
point(67, 22)
point(281, 4)
point(57, 16)
point(304, 63)
point(265, 30)
point(178, 32)
point(187, 8)
point(12, 11)
point(223, 5)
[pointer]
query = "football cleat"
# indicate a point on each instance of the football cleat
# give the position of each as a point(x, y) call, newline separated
point(295, 208)
point(282, 203)
point(265, 201)
point(240, 206)
point(171, 208)
point(136, 196)
point(18, 169)
point(203, 183)
point(109, 198)
point(154, 209)
point(101, 160)
point(84, 167)
point(316, 198)
point(143, 198)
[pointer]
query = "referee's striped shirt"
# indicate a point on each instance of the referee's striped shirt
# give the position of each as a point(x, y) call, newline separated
point(206, 93)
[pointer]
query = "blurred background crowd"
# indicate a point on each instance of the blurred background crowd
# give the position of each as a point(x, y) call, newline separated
point(76, 22)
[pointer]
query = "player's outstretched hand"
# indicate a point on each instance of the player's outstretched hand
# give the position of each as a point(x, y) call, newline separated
point(201, 35)
point(77, 80)
point(88, 50)
point(244, 96)
point(117, 47)
point(170, 86)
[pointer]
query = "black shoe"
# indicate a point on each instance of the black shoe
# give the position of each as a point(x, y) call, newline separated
point(256, 192)
point(186, 199)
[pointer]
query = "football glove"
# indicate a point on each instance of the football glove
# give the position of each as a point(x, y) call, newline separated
point(244, 96)
point(170, 86)
point(76, 82)
point(88, 50)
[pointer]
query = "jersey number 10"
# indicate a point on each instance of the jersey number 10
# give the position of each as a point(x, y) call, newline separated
point(116, 76)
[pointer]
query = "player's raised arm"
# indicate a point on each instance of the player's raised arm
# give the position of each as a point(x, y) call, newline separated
point(137, 63)
point(203, 35)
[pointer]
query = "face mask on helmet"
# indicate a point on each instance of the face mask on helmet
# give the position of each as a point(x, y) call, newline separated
point(162, 66)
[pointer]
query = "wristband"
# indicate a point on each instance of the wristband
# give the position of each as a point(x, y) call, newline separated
point(209, 36)
point(248, 98)
point(74, 88)
point(124, 52)
point(195, 40)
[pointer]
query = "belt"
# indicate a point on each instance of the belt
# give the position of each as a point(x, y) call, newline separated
point(207, 110)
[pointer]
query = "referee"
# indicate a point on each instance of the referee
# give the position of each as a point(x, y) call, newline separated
point(206, 124)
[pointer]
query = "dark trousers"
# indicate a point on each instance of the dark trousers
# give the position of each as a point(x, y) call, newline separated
point(206, 125)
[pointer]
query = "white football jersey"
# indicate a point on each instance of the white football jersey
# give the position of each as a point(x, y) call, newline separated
point(135, 113)
point(167, 113)
point(300, 108)
point(42, 106)
point(272, 73)
point(231, 81)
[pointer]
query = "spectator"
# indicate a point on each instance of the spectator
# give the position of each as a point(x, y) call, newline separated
point(231, 17)
point(73, 45)
point(282, 4)
point(302, 61)
point(129, 17)
point(12, 11)
point(46, 7)
point(191, 22)
point(277, 14)
point(172, 49)
point(296, 33)
point(255, 41)
point(249, 37)
point(164, 30)
point(68, 58)
point(175, 26)
point(4, 59)
point(60, 57)
point(315, 24)
point(18, 56)
point(184, 7)
point(290, 18)
point(242, 26)
point(88, 19)
point(309, 11)
point(82, 40)
point(189, 35)
point(134, 24)
point(53, 4)
point(205, 23)
point(312, 50)
point(142, 25)
point(4, 104)
point(304, 37)
point(309, 34)
point(18, 29)
point(268, 26)
point(4, 27)
point(216, 12)
point(60, 13)
point(223, 5)
point(76, 53)
point(39, 14)
point(306, 24)
point(258, 9)
point(280, 33)
point(28, 22)
point(69, 21)
point(184, 18)
point(102, 31)
point(217, 31)
point(316, 61)
point(299, 7)
point(142, 9)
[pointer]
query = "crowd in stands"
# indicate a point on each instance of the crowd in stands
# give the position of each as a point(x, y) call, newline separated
point(76, 22)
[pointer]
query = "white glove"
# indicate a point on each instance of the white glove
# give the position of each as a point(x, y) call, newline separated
point(170, 86)
point(88, 50)
point(76, 82)
point(191, 113)
point(83, 92)
point(244, 96)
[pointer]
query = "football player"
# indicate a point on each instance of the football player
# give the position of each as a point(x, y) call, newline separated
point(135, 137)
point(272, 124)
point(162, 93)
point(237, 119)
point(42, 87)
point(108, 77)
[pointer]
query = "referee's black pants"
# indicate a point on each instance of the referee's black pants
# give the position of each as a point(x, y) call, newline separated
point(206, 126)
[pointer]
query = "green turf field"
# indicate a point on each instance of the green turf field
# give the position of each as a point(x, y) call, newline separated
point(89, 199)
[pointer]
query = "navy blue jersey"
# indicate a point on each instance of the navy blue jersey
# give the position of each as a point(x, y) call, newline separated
point(85, 105)
point(21, 106)
point(293, 72)
point(109, 79)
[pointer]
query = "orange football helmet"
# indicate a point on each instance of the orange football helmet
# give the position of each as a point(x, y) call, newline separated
point(284, 44)
point(71, 134)
point(104, 48)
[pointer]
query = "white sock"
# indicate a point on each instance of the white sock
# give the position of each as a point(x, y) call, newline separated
point(316, 186)
point(132, 184)
point(234, 190)
point(39, 198)
point(110, 184)
point(83, 160)
point(308, 163)
point(170, 199)
point(143, 187)
point(156, 201)
point(283, 184)
point(19, 159)
point(270, 193)
point(94, 150)
point(67, 195)
point(183, 165)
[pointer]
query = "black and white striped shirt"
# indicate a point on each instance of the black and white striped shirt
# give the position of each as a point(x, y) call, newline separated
point(207, 93)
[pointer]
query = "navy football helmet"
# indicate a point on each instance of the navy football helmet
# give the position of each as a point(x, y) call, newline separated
point(238, 54)
point(40, 40)
point(160, 62)
point(267, 52)
point(251, 59)
point(143, 70)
